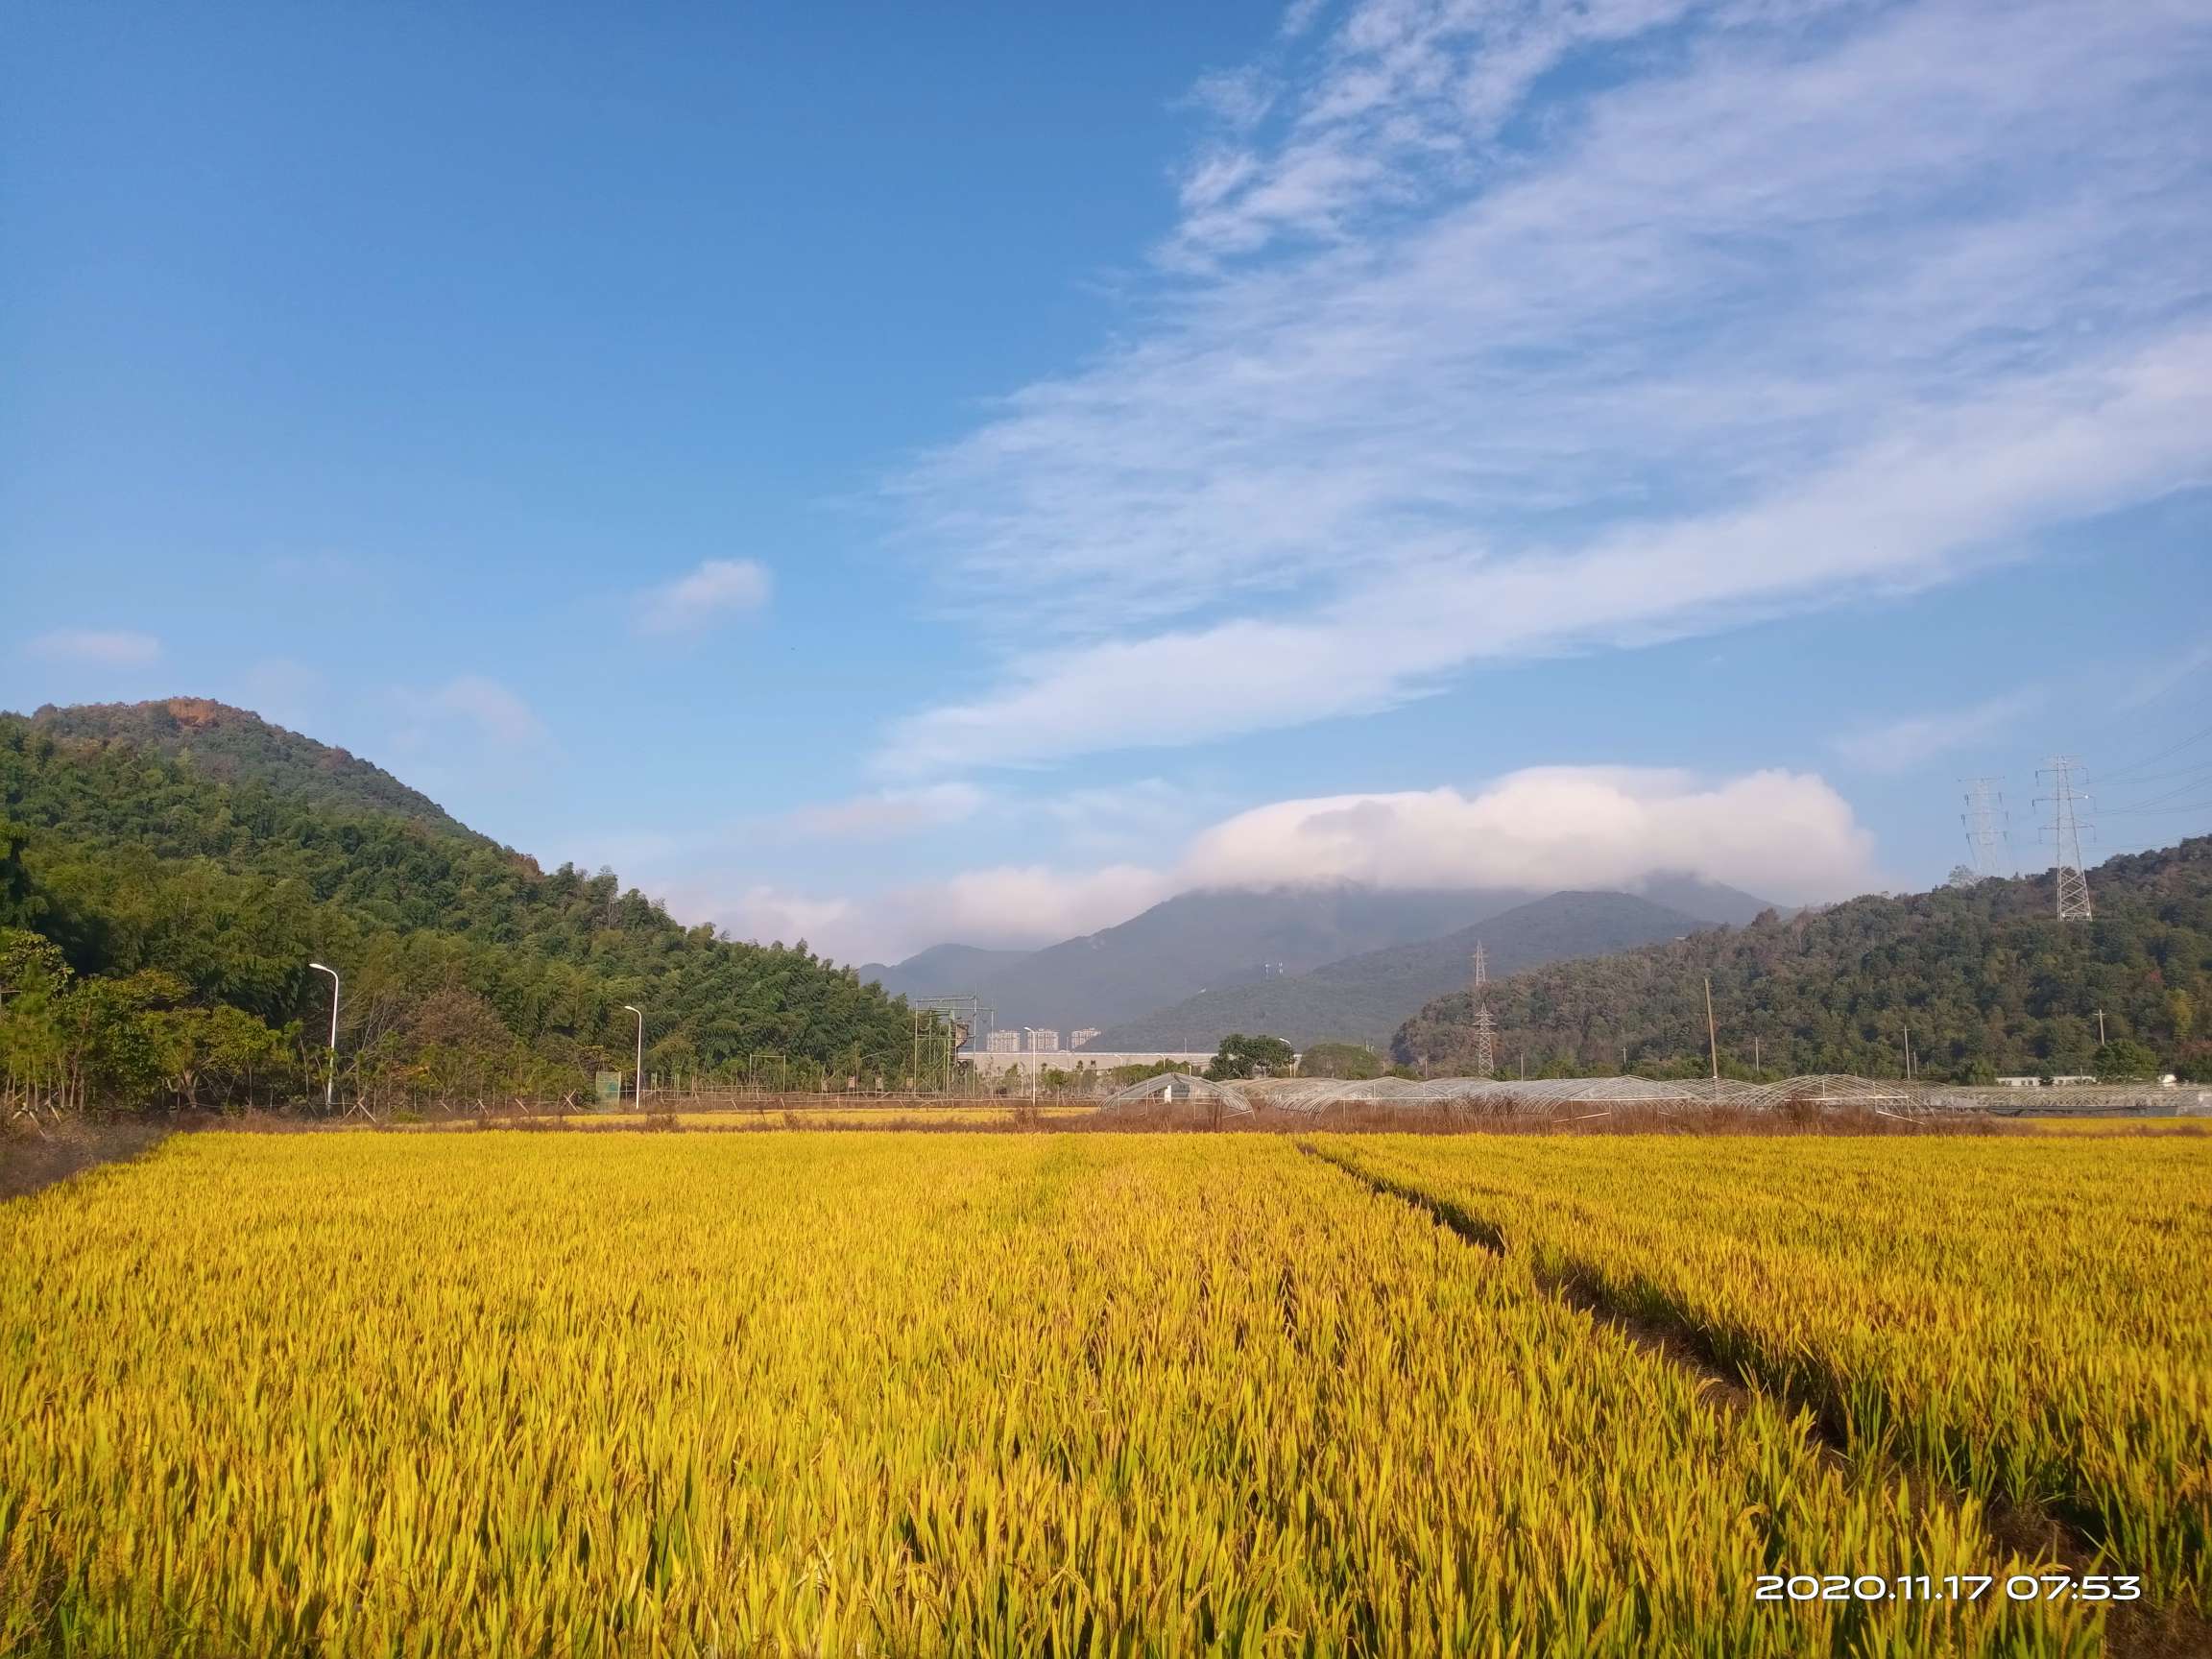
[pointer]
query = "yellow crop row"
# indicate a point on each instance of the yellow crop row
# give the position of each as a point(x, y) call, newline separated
point(2019, 1318)
point(862, 1394)
point(927, 1114)
point(2120, 1125)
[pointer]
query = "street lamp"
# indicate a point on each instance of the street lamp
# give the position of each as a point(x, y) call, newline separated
point(330, 1083)
point(1032, 1034)
point(641, 1013)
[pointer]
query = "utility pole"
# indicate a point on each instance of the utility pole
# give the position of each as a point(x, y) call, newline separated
point(1032, 1034)
point(2065, 832)
point(1712, 1038)
point(330, 1082)
point(641, 1013)
point(1988, 829)
point(1485, 1032)
point(1907, 1051)
point(2100, 1027)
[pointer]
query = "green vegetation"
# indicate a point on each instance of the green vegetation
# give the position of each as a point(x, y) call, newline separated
point(158, 908)
point(1242, 1056)
point(1985, 977)
point(1352, 1059)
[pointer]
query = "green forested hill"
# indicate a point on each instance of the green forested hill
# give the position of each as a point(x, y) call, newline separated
point(1986, 975)
point(156, 921)
point(233, 746)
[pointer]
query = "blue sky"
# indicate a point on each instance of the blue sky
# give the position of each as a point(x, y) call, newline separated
point(882, 476)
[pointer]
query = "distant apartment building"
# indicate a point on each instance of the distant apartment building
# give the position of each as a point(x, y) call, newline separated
point(1047, 1041)
point(1003, 1043)
point(1077, 1039)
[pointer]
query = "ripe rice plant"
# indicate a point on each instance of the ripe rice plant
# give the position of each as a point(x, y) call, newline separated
point(2020, 1318)
point(879, 1394)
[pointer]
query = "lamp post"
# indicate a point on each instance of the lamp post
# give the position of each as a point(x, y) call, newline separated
point(641, 1013)
point(330, 1081)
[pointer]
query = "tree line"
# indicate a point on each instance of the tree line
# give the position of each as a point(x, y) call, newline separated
point(157, 923)
point(1979, 979)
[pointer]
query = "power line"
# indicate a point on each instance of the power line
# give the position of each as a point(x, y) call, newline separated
point(2125, 773)
point(2065, 833)
point(2191, 787)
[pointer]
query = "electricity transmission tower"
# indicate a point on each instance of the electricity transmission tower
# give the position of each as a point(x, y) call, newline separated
point(2065, 832)
point(1988, 829)
point(1486, 1031)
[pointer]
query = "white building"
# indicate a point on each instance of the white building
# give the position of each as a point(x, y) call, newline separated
point(1003, 1043)
point(1077, 1039)
point(1044, 1041)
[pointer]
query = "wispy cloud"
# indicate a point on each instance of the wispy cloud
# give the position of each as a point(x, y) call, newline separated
point(2168, 674)
point(473, 711)
point(887, 812)
point(101, 647)
point(1802, 301)
point(718, 590)
point(1914, 740)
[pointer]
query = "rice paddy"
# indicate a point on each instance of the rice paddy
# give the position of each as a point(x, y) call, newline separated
point(946, 1393)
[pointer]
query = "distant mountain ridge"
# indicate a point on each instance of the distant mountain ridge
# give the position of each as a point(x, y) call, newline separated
point(1365, 999)
point(1180, 946)
point(1214, 939)
point(942, 970)
point(231, 745)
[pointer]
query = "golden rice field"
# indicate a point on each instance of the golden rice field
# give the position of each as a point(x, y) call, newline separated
point(2119, 1126)
point(935, 1394)
point(926, 1114)
point(2019, 1319)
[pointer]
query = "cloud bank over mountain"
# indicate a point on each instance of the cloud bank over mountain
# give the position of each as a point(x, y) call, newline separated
point(1785, 835)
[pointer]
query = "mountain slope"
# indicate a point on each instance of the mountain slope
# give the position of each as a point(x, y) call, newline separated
point(1714, 904)
point(1365, 999)
point(1985, 977)
point(233, 746)
point(941, 971)
point(1214, 938)
point(164, 891)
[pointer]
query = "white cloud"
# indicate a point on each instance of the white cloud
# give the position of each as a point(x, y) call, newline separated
point(1007, 905)
point(772, 916)
point(1901, 744)
point(478, 711)
point(1910, 511)
point(102, 647)
point(1780, 312)
point(720, 587)
point(1781, 835)
point(887, 812)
